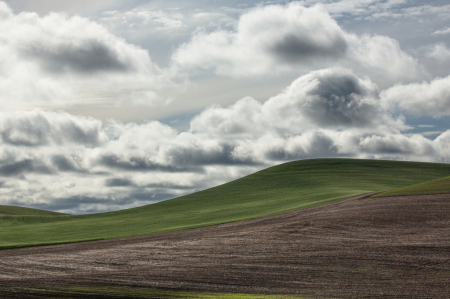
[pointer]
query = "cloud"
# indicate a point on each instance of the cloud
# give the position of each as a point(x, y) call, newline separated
point(426, 98)
point(88, 58)
point(58, 161)
point(374, 10)
point(60, 59)
point(371, 8)
point(142, 19)
point(266, 36)
point(118, 182)
point(439, 52)
point(382, 59)
point(38, 128)
point(435, 11)
point(162, 31)
point(28, 165)
point(442, 32)
point(292, 38)
point(291, 34)
point(5, 11)
point(397, 145)
point(331, 98)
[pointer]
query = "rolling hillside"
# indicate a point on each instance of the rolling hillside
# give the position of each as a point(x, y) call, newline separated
point(287, 187)
point(432, 187)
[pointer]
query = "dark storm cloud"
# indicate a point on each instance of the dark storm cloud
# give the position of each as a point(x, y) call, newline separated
point(293, 48)
point(89, 57)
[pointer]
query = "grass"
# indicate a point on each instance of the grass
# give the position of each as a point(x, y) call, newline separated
point(441, 185)
point(128, 292)
point(12, 210)
point(287, 187)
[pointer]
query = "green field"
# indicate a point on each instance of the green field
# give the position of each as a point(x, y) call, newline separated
point(287, 187)
point(433, 187)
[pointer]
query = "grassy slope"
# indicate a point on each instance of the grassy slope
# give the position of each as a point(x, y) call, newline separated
point(433, 187)
point(12, 210)
point(275, 190)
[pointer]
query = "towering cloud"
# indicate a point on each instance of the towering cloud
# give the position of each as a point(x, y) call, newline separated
point(331, 98)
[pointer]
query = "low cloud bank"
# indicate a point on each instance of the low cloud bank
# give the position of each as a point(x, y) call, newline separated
point(58, 161)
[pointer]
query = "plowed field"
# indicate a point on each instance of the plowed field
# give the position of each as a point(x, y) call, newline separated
point(385, 247)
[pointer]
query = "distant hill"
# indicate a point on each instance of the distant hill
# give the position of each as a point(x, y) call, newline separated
point(278, 189)
point(13, 210)
point(432, 187)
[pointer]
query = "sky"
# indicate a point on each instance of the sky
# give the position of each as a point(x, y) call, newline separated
point(106, 105)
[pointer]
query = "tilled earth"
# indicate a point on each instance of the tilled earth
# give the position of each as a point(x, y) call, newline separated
point(391, 247)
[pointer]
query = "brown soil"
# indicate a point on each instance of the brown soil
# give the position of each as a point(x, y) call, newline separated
point(387, 247)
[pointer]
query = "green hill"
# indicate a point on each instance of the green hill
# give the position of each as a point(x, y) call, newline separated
point(433, 187)
point(13, 210)
point(287, 187)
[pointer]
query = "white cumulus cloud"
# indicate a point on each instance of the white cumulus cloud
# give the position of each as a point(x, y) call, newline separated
point(426, 98)
point(292, 38)
point(439, 52)
point(57, 58)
